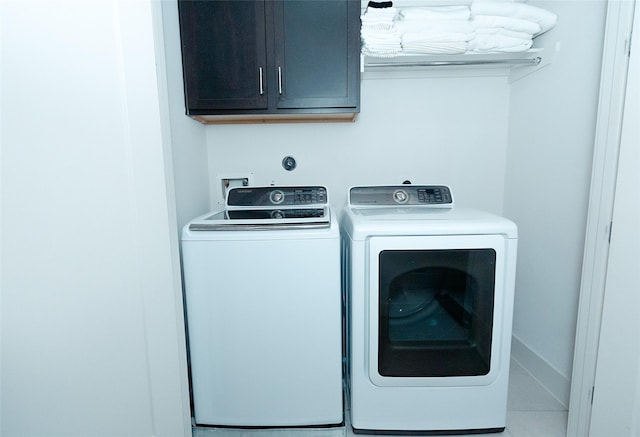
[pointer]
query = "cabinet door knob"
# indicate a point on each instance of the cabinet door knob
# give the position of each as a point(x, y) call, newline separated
point(261, 84)
point(279, 80)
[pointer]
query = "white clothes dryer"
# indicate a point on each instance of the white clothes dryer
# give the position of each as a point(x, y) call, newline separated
point(429, 291)
point(263, 305)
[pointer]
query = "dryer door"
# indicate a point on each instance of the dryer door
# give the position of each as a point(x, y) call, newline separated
point(435, 306)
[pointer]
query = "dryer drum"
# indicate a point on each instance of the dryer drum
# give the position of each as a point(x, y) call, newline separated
point(431, 304)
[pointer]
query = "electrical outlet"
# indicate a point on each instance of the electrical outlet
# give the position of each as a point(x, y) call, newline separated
point(227, 182)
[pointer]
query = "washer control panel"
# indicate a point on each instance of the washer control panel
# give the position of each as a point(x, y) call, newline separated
point(271, 197)
point(394, 195)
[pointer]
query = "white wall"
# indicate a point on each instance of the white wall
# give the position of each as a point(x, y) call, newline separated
point(425, 128)
point(191, 171)
point(551, 138)
point(92, 332)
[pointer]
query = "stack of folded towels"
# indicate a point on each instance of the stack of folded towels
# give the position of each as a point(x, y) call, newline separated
point(379, 37)
point(435, 29)
point(483, 27)
point(503, 26)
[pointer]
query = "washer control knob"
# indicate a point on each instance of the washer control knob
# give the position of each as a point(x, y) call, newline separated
point(276, 197)
point(277, 214)
point(400, 196)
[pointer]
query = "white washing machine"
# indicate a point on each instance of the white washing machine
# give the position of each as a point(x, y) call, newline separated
point(263, 304)
point(429, 294)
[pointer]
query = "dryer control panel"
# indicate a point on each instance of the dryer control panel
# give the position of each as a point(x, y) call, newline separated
point(270, 197)
point(406, 195)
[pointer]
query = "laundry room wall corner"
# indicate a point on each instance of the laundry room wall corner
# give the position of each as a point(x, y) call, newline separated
point(549, 160)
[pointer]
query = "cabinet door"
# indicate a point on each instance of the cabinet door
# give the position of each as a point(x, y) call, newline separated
point(317, 53)
point(223, 55)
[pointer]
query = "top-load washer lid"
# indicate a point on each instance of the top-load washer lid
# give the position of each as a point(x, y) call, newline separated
point(264, 219)
point(270, 208)
point(433, 196)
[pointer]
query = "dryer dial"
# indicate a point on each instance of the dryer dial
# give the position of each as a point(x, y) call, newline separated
point(400, 196)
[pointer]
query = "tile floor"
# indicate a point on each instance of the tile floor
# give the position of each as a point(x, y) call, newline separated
point(532, 412)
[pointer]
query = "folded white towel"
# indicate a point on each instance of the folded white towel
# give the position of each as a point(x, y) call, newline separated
point(372, 32)
point(435, 48)
point(381, 11)
point(382, 46)
point(444, 26)
point(428, 37)
point(378, 18)
point(380, 42)
point(545, 19)
point(381, 51)
point(460, 12)
point(496, 43)
point(379, 14)
point(380, 54)
point(503, 32)
point(377, 26)
point(515, 24)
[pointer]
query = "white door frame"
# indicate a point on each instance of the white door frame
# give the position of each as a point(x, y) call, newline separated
point(613, 82)
point(616, 398)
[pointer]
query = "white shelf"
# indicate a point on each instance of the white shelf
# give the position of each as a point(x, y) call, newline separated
point(513, 65)
point(532, 57)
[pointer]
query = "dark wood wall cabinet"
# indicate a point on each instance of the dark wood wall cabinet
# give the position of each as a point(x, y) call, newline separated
point(270, 60)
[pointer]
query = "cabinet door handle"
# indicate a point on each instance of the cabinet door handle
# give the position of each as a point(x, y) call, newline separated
point(279, 80)
point(261, 83)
